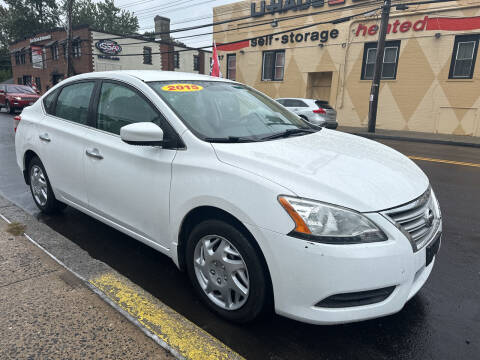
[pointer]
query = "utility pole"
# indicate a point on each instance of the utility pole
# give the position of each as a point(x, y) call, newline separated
point(68, 45)
point(372, 113)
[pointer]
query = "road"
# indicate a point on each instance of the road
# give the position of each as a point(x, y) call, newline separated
point(441, 322)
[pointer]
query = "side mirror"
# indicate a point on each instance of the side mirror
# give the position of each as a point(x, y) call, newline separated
point(142, 134)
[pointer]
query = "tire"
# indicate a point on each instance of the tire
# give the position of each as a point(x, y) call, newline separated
point(246, 271)
point(41, 189)
point(9, 109)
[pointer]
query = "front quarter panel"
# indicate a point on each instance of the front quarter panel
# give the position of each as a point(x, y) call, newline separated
point(200, 179)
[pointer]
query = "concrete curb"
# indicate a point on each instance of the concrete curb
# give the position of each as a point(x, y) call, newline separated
point(414, 139)
point(176, 334)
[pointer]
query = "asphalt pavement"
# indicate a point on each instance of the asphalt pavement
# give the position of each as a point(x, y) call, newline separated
point(441, 322)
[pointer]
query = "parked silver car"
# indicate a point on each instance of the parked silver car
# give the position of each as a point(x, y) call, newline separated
point(317, 112)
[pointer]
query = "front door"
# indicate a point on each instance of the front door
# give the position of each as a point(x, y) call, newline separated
point(319, 85)
point(61, 135)
point(128, 185)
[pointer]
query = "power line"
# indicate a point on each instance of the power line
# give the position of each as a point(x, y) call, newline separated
point(248, 17)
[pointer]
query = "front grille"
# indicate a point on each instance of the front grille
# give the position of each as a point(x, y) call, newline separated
point(418, 220)
point(29, 98)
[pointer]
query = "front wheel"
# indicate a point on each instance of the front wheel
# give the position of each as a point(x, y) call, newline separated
point(41, 189)
point(226, 271)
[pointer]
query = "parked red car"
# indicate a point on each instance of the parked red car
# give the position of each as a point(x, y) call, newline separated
point(16, 97)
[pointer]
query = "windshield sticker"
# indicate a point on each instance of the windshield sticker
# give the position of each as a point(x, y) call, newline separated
point(182, 87)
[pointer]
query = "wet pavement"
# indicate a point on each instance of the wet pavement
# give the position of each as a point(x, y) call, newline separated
point(48, 313)
point(441, 322)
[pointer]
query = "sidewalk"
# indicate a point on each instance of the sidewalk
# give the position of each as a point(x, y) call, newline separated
point(47, 312)
point(458, 140)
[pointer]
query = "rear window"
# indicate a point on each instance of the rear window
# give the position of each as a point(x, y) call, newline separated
point(323, 104)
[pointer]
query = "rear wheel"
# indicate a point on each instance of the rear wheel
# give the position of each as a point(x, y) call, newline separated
point(41, 189)
point(226, 271)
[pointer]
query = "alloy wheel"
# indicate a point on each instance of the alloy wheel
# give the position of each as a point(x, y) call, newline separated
point(221, 272)
point(39, 185)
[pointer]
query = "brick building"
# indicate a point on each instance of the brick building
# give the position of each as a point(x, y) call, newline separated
point(41, 58)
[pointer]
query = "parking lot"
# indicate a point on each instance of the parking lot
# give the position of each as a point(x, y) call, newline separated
point(441, 322)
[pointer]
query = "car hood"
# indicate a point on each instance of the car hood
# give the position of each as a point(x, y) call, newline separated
point(332, 167)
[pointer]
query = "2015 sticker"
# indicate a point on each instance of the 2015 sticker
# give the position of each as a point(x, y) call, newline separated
point(182, 87)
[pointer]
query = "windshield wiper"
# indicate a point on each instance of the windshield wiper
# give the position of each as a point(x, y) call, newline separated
point(288, 133)
point(229, 139)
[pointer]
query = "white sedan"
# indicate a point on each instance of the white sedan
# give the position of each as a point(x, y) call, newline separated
point(262, 209)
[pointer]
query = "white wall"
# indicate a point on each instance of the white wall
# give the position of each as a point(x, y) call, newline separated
point(186, 60)
point(125, 62)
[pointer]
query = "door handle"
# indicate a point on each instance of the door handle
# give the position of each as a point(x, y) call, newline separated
point(44, 137)
point(94, 153)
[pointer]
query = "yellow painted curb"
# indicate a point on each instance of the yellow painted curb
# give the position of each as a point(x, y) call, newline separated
point(444, 161)
point(180, 334)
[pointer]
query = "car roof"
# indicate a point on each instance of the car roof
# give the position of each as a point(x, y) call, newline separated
point(150, 75)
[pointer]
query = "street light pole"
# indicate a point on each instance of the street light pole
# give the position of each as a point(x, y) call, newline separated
point(372, 113)
point(68, 45)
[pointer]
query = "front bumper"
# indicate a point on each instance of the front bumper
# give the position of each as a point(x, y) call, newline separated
point(304, 273)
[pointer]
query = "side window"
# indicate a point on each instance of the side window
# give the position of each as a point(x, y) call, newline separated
point(300, 103)
point(289, 103)
point(48, 102)
point(73, 102)
point(119, 106)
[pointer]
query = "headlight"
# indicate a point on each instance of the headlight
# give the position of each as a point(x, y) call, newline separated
point(329, 224)
point(17, 98)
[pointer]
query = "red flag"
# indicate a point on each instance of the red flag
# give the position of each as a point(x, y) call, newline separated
point(215, 70)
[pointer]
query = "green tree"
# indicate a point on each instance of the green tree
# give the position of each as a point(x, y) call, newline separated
point(104, 16)
point(24, 18)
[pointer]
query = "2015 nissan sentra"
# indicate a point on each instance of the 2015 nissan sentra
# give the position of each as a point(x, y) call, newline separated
point(262, 209)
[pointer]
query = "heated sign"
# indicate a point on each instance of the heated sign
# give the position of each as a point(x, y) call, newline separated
point(108, 47)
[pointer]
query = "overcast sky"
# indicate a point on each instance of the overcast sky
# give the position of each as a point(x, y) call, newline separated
point(182, 13)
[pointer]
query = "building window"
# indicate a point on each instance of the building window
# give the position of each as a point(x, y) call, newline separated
point(232, 66)
point(30, 56)
point(54, 50)
point(17, 58)
point(19, 81)
point(390, 60)
point(27, 80)
point(196, 63)
point(22, 58)
point(176, 60)
point(76, 49)
point(273, 65)
point(147, 55)
point(464, 56)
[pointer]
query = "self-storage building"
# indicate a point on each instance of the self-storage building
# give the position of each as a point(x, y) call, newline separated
point(326, 50)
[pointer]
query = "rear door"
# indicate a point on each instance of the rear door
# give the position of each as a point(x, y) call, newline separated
point(128, 185)
point(61, 135)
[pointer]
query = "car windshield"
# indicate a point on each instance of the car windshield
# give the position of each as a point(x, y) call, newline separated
point(229, 112)
point(20, 89)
